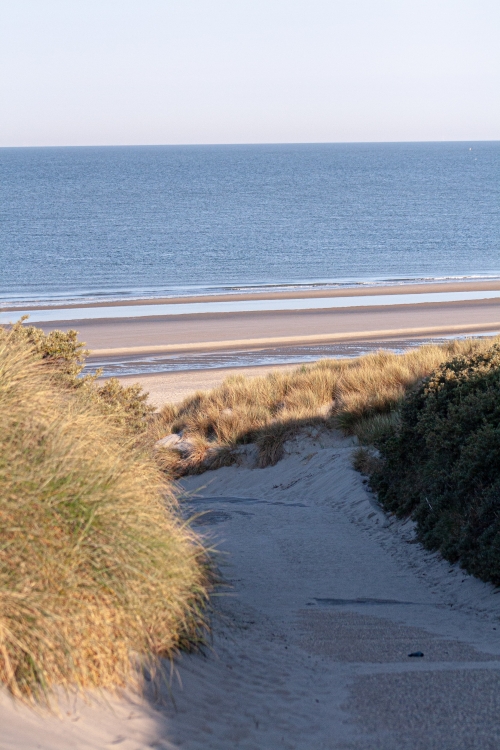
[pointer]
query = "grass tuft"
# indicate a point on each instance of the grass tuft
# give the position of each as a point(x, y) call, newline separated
point(96, 568)
point(365, 461)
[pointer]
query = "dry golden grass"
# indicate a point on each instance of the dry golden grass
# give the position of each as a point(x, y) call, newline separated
point(360, 396)
point(96, 569)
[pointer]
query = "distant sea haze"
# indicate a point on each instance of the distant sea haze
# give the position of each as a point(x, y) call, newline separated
point(81, 224)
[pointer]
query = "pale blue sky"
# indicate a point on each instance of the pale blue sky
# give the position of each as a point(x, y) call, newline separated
point(76, 72)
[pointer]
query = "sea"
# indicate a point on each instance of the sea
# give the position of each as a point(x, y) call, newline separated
point(121, 223)
point(97, 224)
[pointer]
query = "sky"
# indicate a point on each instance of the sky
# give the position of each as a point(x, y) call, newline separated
point(123, 72)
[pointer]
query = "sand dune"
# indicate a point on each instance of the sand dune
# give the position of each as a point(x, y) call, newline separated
point(326, 598)
point(174, 387)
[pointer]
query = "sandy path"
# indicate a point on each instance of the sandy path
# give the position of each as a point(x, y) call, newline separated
point(310, 643)
point(297, 662)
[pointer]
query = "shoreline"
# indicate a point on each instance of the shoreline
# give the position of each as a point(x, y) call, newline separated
point(344, 291)
point(275, 337)
point(244, 339)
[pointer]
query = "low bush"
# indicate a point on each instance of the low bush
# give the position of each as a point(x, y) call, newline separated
point(64, 355)
point(97, 571)
point(127, 405)
point(60, 350)
point(442, 463)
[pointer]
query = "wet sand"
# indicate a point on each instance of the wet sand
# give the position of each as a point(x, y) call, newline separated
point(345, 291)
point(259, 337)
point(254, 329)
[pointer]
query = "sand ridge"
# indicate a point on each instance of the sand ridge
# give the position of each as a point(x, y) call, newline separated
point(240, 329)
point(174, 387)
point(399, 333)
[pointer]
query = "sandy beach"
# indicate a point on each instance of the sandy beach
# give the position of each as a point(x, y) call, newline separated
point(247, 329)
point(172, 355)
point(325, 598)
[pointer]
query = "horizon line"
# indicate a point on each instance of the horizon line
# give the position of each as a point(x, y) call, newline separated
point(255, 143)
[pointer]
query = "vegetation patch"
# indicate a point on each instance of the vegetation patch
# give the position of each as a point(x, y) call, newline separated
point(97, 570)
point(64, 355)
point(361, 396)
point(441, 464)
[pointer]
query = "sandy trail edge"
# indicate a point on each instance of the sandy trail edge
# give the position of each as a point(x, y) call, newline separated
point(295, 662)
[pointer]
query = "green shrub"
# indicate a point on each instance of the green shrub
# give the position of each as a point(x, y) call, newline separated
point(127, 405)
point(442, 465)
point(64, 355)
point(58, 349)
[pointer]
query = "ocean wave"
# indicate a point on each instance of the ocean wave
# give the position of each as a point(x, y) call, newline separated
point(87, 297)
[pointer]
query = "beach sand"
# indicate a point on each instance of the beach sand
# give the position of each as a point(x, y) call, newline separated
point(285, 334)
point(325, 599)
point(237, 330)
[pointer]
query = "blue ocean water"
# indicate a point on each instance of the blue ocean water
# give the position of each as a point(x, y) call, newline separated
point(125, 222)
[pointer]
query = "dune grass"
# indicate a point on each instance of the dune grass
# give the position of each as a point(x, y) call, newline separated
point(97, 571)
point(360, 396)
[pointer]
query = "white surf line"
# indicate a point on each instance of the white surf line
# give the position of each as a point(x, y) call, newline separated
point(246, 344)
point(260, 305)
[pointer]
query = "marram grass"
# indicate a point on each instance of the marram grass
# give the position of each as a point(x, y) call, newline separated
point(361, 396)
point(96, 569)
